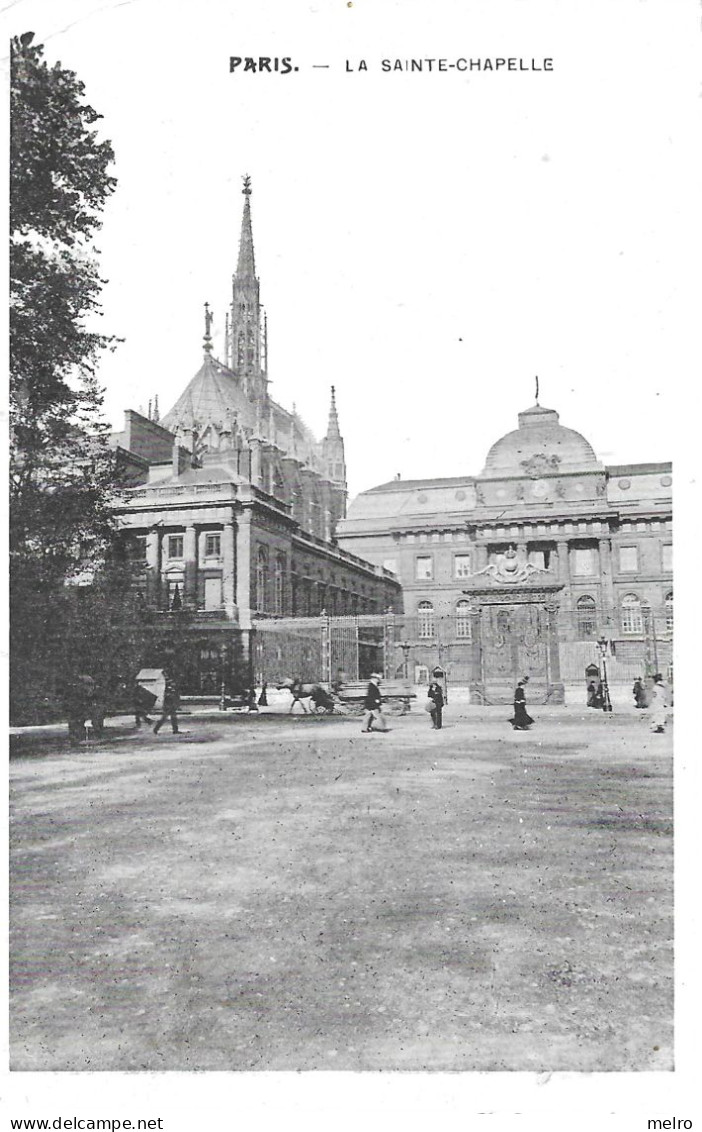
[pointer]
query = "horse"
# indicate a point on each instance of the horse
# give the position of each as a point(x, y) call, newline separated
point(317, 696)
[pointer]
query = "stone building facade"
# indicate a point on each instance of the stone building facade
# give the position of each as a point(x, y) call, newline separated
point(232, 509)
point(521, 569)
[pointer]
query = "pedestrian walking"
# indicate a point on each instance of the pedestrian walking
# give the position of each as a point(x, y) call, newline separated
point(171, 703)
point(263, 698)
point(143, 701)
point(639, 693)
point(373, 705)
point(659, 703)
point(435, 695)
point(520, 721)
point(592, 694)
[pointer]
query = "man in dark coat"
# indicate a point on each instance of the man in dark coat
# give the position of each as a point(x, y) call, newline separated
point(373, 704)
point(171, 703)
point(435, 694)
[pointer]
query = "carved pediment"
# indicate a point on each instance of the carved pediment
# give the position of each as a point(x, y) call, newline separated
point(540, 463)
point(510, 570)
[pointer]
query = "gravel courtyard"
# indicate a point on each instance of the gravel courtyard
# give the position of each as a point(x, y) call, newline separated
point(287, 893)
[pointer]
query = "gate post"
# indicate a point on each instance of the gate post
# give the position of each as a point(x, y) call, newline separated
point(388, 642)
point(477, 677)
point(325, 630)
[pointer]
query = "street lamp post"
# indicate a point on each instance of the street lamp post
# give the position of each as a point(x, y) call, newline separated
point(606, 701)
point(223, 681)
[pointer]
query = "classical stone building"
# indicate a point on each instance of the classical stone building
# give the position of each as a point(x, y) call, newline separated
point(233, 507)
point(521, 569)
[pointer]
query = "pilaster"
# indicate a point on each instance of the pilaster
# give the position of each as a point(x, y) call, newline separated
point(190, 558)
point(243, 571)
point(229, 595)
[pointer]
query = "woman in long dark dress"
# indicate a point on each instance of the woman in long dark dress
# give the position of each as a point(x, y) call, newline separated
point(520, 720)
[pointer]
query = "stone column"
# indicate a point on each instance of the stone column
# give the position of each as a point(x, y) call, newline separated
point(190, 557)
point(563, 563)
point(153, 567)
point(243, 568)
point(607, 590)
point(229, 596)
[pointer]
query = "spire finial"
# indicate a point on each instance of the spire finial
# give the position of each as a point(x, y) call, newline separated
point(156, 415)
point(207, 340)
point(247, 185)
point(537, 389)
point(333, 426)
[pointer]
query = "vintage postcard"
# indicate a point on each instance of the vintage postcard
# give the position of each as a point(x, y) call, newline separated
point(348, 347)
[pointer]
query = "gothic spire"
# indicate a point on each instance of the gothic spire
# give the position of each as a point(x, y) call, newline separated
point(245, 337)
point(333, 432)
point(246, 267)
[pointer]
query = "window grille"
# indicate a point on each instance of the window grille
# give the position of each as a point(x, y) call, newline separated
point(586, 610)
point(632, 616)
point(425, 620)
point(464, 621)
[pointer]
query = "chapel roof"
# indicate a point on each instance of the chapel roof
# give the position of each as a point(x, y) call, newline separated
point(213, 394)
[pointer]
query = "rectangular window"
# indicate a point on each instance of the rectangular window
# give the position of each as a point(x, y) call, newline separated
point(175, 546)
point(461, 566)
point(424, 569)
point(213, 593)
point(213, 545)
point(667, 550)
point(390, 564)
point(628, 559)
point(583, 561)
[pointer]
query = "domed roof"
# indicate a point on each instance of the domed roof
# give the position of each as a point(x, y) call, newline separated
point(540, 445)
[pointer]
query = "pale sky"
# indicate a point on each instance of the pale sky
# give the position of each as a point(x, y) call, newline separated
point(425, 242)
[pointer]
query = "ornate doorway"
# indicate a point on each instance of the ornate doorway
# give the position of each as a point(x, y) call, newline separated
point(517, 636)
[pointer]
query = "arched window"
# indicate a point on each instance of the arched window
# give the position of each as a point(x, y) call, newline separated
point(261, 571)
point(425, 620)
point(464, 621)
point(669, 612)
point(279, 585)
point(587, 616)
point(632, 617)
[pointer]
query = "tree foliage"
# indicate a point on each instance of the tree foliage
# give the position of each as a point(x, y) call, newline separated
point(62, 471)
point(61, 468)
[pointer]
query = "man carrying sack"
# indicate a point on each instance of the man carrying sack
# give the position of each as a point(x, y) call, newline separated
point(373, 704)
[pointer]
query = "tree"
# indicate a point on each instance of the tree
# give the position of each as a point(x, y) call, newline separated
point(62, 472)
